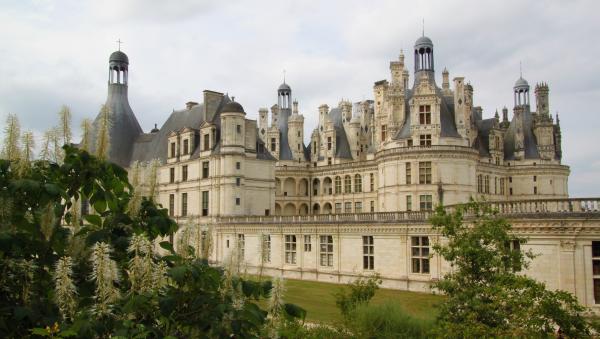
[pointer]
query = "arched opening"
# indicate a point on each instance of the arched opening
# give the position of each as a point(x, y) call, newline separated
point(316, 184)
point(347, 184)
point(303, 187)
point(327, 208)
point(316, 209)
point(338, 185)
point(289, 209)
point(277, 186)
point(327, 189)
point(277, 209)
point(289, 187)
point(303, 210)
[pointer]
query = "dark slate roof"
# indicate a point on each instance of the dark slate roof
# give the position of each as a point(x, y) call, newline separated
point(233, 107)
point(482, 142)
point(530, 143)
point(342, 148)
point(124, 128)
point(285, 152)
point(448, 126)
point(119, 57)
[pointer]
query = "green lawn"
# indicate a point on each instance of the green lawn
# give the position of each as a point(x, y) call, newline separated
point(318, 300)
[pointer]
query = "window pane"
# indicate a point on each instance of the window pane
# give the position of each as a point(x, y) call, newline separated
point(595, 248)
point(415, 252)
point(416, 268)
point(415, 241)
point(425, 266)
point(597, 291)
point(596, 266)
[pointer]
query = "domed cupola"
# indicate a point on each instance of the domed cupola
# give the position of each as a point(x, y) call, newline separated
point(284, 96)
point(521, 92)
point(424, 55)
point(118, 67)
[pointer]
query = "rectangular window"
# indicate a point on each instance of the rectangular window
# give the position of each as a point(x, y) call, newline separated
point(307, 244)
point(171, 204)
point(348, 207)
point(238, 165)
point(238, 129)
point(205, 169)
point(266, 248)
point(425, 114)
point(328, 161)
point(419, 248)
point(368, 253)
point(238, 201)
point(502, 186)
point(358, 207)
point(596, 270)
point(511, 193)
point(338, 185)
point(487, 184)
point(238, 181)
point(347, 184)
point(479, 183)
point(372, 206)
point(326, 250)
point(338, 207)
point(290, 249)
point(172, 174)
point(534, 178)
point(183, 204)
point(534, 189)
point(383, 132)
point(425, 140)
point(204, 203)
point(329, 143)
point(408, 174)
point(425, 202)
point(409, 202)
point(425, 172)
point(409, 143)
point(172, 150)
point(357, 183)
point(241, 247)
point(273, 144)
point(186, 147)
point(184, 173)
point(206, 142)
point(371, 182)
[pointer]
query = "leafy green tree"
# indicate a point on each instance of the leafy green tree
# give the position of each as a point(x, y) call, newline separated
point(487, 296)
point(115, 285)
point(11, 149)
point(358, 292)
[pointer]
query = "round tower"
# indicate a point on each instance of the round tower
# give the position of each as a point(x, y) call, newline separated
point(521, 92)
point(284, 96)
point(233, 127)
point(118, 68)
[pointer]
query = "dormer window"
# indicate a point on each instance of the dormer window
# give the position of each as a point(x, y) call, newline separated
point(206, 142)
point(425, 114)
point(425, 140)
point(383, 132)
point(173, 149)
point(186, 147)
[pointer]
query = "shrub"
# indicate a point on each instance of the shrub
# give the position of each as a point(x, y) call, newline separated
point(387, 320)
point(358, 292)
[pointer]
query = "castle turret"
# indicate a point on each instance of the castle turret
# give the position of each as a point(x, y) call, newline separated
point(446, 81)
point(233, 127)
point(124, 127)
point(263, 122)
point(296, 133)
point(542, 100)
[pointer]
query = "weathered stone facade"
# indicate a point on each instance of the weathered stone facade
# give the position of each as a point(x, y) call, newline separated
point(355, 200)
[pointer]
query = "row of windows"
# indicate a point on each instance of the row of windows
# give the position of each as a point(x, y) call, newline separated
point(205, 171)
point(348, 207)
point(484, 185)
point(419, 251)
point(348, 184)
point(184, 204)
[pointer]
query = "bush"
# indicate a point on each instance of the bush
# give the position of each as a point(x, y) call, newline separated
point(387, 320)
point(360, 292)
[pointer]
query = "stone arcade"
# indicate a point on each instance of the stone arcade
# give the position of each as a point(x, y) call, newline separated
point(356, 199)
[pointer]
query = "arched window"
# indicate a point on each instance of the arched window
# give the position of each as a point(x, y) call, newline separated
point(338, 185)
point(347, 184)
point(357, 183)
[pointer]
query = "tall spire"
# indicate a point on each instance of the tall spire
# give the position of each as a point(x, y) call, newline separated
point(119, 42)
point(423, 32)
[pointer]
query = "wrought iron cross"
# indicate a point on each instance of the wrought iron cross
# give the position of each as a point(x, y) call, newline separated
point(119, 42)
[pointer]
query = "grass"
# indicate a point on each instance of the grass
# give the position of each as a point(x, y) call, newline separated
point(318, 300)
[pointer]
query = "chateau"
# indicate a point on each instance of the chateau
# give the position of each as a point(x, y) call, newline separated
point(356, 199)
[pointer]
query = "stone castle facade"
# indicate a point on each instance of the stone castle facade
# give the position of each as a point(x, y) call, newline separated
point(356, 198)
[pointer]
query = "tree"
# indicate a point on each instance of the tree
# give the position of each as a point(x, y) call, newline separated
point(361, 291)
point(65, 124)
point(115, 285)
point(11, 149)
point(86, 135)
point(487, 297)
point(102, 134)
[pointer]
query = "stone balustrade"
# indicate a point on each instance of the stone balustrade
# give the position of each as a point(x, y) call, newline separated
point(525, 208)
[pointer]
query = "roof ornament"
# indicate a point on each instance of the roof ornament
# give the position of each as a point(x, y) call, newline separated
point(520, 69)
point(423, 27)
point(284, 75)
point(119, 42)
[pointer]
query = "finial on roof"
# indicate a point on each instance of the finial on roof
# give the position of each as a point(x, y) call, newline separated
point(119, 42)
point(233, 98)
point(520, 69)
point(423, 26)
point(284, 75)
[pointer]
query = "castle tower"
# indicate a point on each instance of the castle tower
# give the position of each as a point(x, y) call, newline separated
point(263, 123)
point(424, 63)
point(124, 127)
point(296, 133)
point(542, 100)
point(233, 128)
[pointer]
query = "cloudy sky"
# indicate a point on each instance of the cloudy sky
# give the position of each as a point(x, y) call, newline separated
point(56, 52)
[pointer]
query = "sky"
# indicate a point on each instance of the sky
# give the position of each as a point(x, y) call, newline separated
point(55, 53)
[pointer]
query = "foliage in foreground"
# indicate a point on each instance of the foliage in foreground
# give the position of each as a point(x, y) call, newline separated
point(356, 293)
point(487, 297)
point(102, 278)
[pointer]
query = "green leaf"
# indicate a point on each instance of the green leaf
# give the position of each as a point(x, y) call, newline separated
point(93, 219)
point(100, 205)
point(167, 246)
